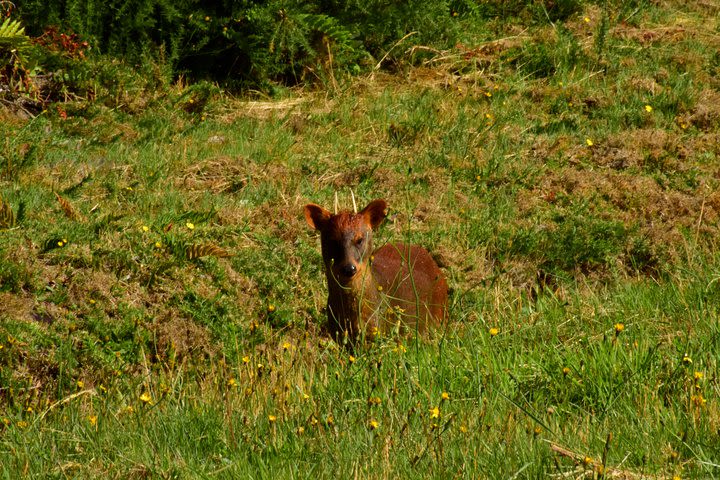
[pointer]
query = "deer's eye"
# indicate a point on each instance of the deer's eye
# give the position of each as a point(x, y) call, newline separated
point(359, 241)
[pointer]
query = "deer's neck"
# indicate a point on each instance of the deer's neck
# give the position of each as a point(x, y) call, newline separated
point(353, 307)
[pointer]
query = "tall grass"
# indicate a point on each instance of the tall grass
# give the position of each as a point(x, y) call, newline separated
point(164, 319)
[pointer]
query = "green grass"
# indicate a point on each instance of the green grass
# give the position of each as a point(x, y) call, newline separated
point(596, 265)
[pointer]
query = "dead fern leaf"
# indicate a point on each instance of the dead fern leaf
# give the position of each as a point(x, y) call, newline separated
point(7, 216)
point(196, 251)
point(67, 208)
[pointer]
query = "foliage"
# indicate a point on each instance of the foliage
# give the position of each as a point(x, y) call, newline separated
point(161, 296)
point(14, 71)
point(12, 36)
point(241, 42)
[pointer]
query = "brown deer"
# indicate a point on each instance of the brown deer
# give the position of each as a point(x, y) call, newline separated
point(398, 286)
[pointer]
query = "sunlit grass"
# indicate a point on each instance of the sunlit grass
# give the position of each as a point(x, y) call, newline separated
point(164, 319)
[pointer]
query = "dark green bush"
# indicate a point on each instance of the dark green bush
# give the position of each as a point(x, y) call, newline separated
point(248, 42)
point(531, 10)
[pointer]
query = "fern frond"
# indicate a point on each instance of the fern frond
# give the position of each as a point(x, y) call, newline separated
point(12, 35)
point(67, 208)
point(329, 27)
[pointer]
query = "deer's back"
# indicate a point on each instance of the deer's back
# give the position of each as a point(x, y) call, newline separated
point(411, 280)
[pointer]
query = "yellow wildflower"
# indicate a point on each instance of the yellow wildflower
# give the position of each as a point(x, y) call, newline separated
point(272, 418)
point(351, 359)
point(648, 108)
point(93, 420)
point(145, 228)
point(589, 142)
point(619, 327)
point(232, 382)
point(494, 331)
point(586, 19)
point(80, 384)
point(435, 412)
point(686, 359)
point(374, 424)
point(445, 396)
point(246, 359)
point(698, 376)
point(146, 398)
point(300, 430)
point(190, 225)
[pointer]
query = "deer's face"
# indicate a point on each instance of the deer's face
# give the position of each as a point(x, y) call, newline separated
point(346, 239)
point(346, 246)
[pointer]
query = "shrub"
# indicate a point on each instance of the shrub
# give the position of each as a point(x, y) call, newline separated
point(14, 44)
point(251, 41)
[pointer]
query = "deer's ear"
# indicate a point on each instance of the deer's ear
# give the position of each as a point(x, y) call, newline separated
point(316, 216)
point(375, 212)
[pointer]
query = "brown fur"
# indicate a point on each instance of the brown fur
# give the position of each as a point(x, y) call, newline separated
point(399, 286)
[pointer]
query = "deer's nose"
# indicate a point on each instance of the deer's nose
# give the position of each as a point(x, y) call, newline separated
point(348, 270)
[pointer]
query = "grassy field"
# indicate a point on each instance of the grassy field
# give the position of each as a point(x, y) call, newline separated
point(161, 297)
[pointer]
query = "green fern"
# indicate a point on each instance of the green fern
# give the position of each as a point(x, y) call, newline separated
point(329, 27)
point(12, 36)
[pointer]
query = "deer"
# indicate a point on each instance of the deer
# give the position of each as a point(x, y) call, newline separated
point(396, 288)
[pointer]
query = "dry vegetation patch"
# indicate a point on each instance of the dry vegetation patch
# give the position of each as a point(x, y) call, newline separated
point(706, 114)
point(181, 338)
point(565, 208)
point(218, 175)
